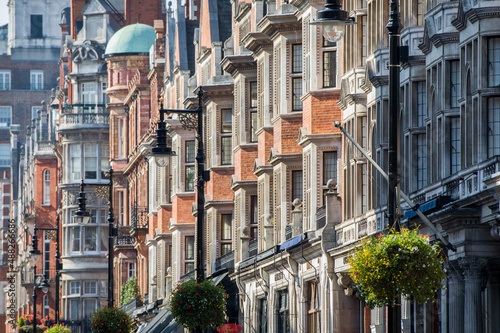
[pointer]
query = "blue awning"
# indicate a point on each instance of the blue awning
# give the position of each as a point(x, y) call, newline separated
point(292, 242)
point(431, 204)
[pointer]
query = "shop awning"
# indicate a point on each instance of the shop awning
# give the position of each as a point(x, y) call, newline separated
point(159, 322)
point(427, 206)
point(292, 242)
point(219, 278)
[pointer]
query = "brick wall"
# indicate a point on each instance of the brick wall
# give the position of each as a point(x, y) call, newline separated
point(143, 11)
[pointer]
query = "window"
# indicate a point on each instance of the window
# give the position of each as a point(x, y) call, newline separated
point(90, 152)
point(262, 315)
point(5, 155)
point(283, 312)
point(189, 254)
point(454, 83)
point(313, 307)
point(121, 138)
point(90, 241)
point(454, 145)
point(46, 306)
point(253, 216)
point(421, 104)
point(226, 150)
point(329, 69)
point(253, 126)
point(296, 58)
point(75, 239)
point(297, 183)
point(493, 62)
point(226, 120)
point(421, 161)
point(131, 269)
point(4, 80)
point(189, 157)
point(253, 94)
point(36, 80)
point(364, 188)
point(5, 116)
point(190, 170)
point(104, 160)
point(36, 26)
point(493, 126)
point(75, 161)
point(226, 233)
point(121, 207)
point(253, 111)
point(90, 287)
point(296, 79)
point(74, 308)
point(296, 94)
point(46, 255)
point(89, 306)
point(190, 151)
point(104, 96)
point(88, 96)
point(74, 287)
point(46, 187)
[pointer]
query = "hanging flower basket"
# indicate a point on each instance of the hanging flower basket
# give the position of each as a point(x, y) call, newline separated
point(198, 304)
point(397, 263)
point(111, 320)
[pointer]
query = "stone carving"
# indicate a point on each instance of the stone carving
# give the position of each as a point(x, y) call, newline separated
point(88, 50)
point(472, 267)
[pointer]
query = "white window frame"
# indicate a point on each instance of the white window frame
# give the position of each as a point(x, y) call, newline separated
point(74, 288)
point(5, 116)
point(46, 306)
point(46, 187)
point(5, 80)
point(90, 287)
point(36, 80)
point(5, 155)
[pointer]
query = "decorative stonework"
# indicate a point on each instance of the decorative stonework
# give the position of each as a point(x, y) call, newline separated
point(89, 50)
point(472, 267)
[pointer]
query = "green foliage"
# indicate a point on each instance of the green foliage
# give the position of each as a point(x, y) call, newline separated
point(29, 329)
point(111, 320)
point(58, 329)
point(397, 263)
point(198, 304)
point(130, 290)
point(20, 323)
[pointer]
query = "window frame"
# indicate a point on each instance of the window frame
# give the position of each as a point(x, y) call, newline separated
point(46, 187)
point(36, 79)
point(5, 116)
point(5, 80)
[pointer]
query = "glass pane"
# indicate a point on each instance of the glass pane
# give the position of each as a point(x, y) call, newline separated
point(296, 94)
point(227, 120)
point(329, 166)
point(90, 239)
point(190, 151)
point(190, 170)
point(253, 94)
point(227, 151)
point(189, 247)
point(75, 239)
point(226, 228)
point(329, 69)
point(296, 58)
point(74, 308)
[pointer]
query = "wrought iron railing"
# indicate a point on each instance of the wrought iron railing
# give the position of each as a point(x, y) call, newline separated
point(321, 217)
point(253, 247)
point(139, 217)
point(225, 261)
point(84, 114)
point(288, 232)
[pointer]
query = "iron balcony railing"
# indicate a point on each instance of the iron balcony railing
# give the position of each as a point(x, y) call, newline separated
point(139, 217)
point(321, 217)
point(225, 261)
point(77, 115)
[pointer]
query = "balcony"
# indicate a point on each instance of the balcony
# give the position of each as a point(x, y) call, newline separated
point(225, 261)
point(78, 116)
point(139, 220)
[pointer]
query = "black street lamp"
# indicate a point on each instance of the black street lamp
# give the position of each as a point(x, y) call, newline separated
point(333, 16)
point(162, 153)
point(111, 234)
point(34, 256)
point(58, 263)
point(81, 215)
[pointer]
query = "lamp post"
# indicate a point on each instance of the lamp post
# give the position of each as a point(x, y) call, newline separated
point(162, 153)
point(111, 234)
point(333, 17)
point(58, 263)
point(34, 255)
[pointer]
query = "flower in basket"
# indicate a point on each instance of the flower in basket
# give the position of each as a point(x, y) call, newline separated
point(58, 329)
point(110, 320)
point(196, 304)
point(397, 263)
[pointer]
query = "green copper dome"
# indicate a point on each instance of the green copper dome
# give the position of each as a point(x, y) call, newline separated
point(132, 39)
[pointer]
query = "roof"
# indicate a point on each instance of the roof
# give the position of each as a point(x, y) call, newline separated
point(132, 39)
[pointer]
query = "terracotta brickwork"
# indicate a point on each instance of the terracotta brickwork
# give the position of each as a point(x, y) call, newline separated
point(286, 133)
point(320, 112)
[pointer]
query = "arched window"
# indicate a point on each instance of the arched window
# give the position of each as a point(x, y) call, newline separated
point(46, 187)
point(46, 306)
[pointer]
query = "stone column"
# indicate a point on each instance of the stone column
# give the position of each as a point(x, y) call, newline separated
point(345, 306)
point(473, 273)
point(493, 302)
point(455, 302)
